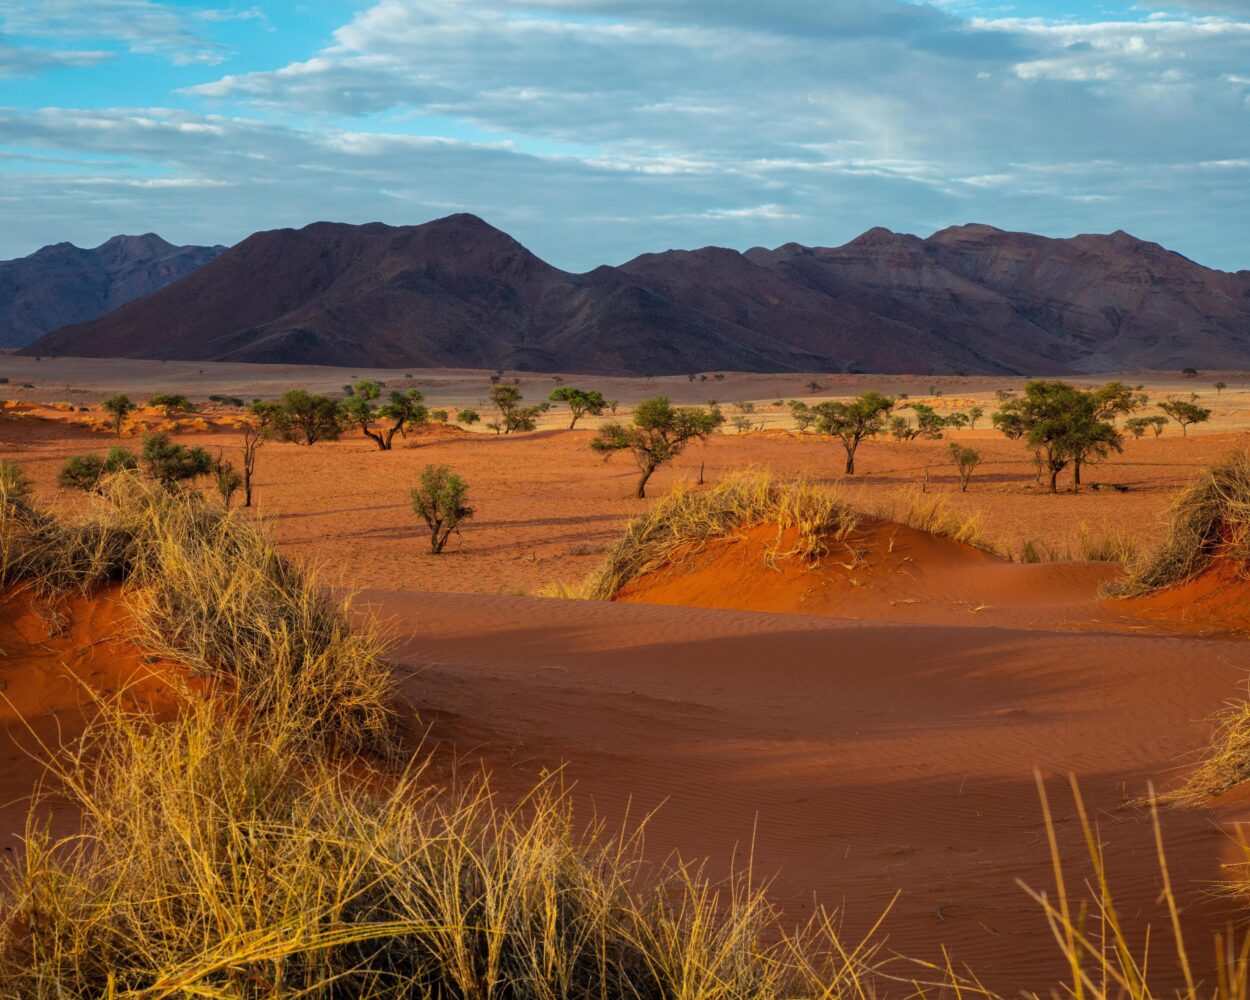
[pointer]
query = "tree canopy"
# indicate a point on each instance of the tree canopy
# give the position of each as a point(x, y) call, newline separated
point(852, 422)
point(658, 434)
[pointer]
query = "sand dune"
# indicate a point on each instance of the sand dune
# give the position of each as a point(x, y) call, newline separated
point(861, 758)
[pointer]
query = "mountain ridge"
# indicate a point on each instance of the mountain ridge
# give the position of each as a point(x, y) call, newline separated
point(458, 292)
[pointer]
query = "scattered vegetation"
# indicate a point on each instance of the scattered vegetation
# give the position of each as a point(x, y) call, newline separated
point(172, 404)
point(1137, 426)
point(659, 433)
point(441, 502)
point(1185, 412)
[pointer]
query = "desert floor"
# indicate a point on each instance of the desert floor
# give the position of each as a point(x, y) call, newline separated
point(885, 740)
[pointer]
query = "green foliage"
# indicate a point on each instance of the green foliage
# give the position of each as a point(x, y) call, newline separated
point(302, 416)
point(84, 472)
point(974, 414)
point(119, 407)
point(404, 410)
point(659, 433)
point(1185, 412)
point(1137, 426)
point(853, 422)
point(469, 417)
point(929, 423)
point(900, 428)
point(440, 501)
point(226, 400)
point(801, 414)
point(581, 402)
point(170, 463)
point(514, 416)
point(1061, 424)
point(965, 461)
point(172, 403)
point(439, 416)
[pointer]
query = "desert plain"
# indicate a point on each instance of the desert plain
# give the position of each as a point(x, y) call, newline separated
point(866, 734)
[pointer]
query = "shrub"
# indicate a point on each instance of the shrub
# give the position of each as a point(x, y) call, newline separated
point(439, 416)
point(85, 472)
point(965, 461)
point(469, 417)
point(513, 416)
point(1137, 426)
point(170, 463)
point(440, 501)
point(801, 414)
point(307, 417)
point(659, 433)
point(172, 403)
point(227, 479)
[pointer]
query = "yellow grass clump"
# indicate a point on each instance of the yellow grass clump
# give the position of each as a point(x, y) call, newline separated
point(686, 517)
point(1210, 519)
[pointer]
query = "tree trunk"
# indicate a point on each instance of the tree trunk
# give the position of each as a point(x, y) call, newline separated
point(1076, 472)
point(850, 461)
point(573, 422)
point(1054, 480)
point(641, 493)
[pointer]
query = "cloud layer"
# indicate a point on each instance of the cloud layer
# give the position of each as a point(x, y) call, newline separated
point(596, 129)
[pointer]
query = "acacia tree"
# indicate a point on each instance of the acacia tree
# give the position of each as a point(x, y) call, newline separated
point(974, 414)
point(1220, 387)
point(119, 407)
point(852, 422)
point(582, 401)
point(257, 430)
point(172, 403)
point(801, 414)
point(1060, 423)
point(659, 433)
point(405, 410)
point(305, 416)
point(1185, 412)
point(513, 416)
point(440, 501)
point(1138, 426)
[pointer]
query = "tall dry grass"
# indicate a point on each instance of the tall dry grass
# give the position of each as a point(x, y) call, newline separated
point(686, 517)
point(208, 588)
point(1209, 519)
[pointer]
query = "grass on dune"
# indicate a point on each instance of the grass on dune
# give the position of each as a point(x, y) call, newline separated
point(207, 587)
point(1210, 519)
point(685, 518)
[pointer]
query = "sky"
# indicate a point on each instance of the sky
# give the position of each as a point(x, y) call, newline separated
point(595, 130)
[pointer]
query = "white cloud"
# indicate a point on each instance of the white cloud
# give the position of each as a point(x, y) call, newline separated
point(142, 25)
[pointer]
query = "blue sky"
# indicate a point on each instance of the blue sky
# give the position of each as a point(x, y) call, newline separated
point(594, 130)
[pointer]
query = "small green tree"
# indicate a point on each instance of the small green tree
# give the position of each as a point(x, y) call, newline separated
point(965, 460)
point(1138, 426)
point(1185, 412)
point(118, 407)
point(170, 463)
point(263, 419)
point(440, 501)
point(801, 414)
point(929, 423)
point(469, 417)
point(404, 410)
point(852, 422)
point(974, 414)
point(85, 472)
point(900, 428)
point(172, 403)
point(307, 417)
point(513, 415)
point(440, 416)
point(659, 433)
point(582, 402)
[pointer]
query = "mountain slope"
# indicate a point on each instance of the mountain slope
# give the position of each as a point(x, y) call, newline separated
point(458, 292)
point(63, 284)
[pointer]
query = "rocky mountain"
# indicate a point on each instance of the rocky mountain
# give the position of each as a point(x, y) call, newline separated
point(63, 284)
point(457, 292)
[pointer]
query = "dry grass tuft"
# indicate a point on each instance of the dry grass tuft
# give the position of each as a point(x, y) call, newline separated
point(685, 518)
point(1210, 519)
point(217, 859)
point(933, 513)
point(1110, 545)
point(208, 588)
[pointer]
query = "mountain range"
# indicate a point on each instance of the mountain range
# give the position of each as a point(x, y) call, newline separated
point(457, 292)
point(64, 284)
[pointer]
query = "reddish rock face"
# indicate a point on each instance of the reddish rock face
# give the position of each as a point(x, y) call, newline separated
point(458, 293)
point(63, 284)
